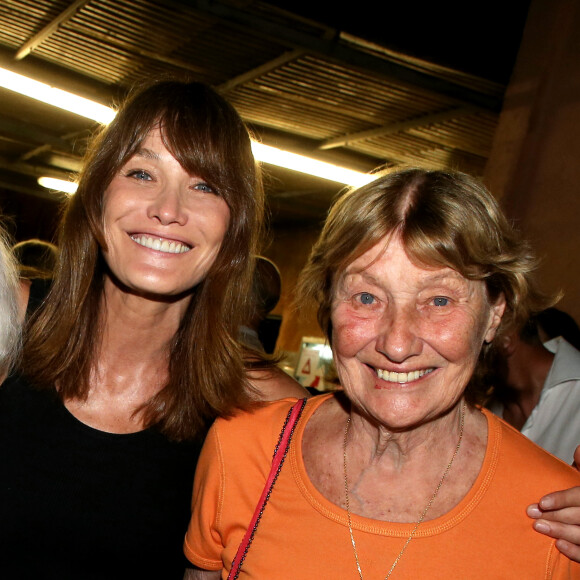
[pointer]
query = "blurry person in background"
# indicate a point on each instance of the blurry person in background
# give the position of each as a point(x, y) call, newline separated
point(553, 322)
point(536, 388)
point(265, 294)
point(36, 258)
point(36, 263)
point(12, 306)
point(266, 289)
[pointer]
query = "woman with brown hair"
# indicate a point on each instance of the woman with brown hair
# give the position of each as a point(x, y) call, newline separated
point(135, 350)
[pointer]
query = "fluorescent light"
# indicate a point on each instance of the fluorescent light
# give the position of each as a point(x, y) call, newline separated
point(265, 154)
point(102, 114)
point(56, 97)
point(69, 187)
point(308, 165)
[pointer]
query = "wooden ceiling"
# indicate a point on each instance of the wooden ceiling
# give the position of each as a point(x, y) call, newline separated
point(300, 84)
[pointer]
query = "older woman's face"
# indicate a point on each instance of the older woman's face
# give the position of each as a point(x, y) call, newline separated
point(406, 338)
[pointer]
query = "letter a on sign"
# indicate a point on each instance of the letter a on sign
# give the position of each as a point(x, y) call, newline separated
point(306, 368)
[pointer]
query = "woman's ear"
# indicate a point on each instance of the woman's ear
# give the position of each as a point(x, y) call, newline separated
point(496, 313)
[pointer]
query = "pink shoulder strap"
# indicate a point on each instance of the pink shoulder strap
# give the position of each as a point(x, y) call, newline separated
point(277, 461)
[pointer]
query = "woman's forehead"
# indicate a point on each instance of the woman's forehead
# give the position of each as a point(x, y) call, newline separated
point(427, 276)
point(394, 245)
point(373, 266)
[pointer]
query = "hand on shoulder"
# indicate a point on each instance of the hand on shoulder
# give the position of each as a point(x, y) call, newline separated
point(558, 515)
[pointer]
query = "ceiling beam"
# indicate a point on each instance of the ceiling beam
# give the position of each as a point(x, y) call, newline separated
point(32, 170)
point(39, 191)
point(49, 29)
point(392, 128)
point(61, 77)
point(345, 54)
point(33, 135)
point(444, 142)
point(260, 70)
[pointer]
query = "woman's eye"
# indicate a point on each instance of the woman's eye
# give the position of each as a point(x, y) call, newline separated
point(440, 301)
point(203, 187)
point(366, 298)
point(139, 174)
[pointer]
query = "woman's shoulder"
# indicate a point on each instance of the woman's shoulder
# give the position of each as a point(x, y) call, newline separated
point(263, 422)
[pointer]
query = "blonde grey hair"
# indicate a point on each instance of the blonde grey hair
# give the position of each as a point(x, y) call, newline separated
point(10, 319)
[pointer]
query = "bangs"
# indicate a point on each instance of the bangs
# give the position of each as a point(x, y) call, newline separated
point(437, 249)
point(195, 148)
point(200, 129)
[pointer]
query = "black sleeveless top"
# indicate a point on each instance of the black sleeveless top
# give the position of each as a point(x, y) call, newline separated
point(83, 504)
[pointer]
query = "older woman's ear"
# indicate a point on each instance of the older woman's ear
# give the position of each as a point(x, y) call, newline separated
point(496, 313)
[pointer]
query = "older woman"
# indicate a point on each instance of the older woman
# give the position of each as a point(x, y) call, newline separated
point(401, 474)
point(135, 349)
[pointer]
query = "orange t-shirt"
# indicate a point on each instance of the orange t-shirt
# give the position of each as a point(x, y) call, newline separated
point(304, 536)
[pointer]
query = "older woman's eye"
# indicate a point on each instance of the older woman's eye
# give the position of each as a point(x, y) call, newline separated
point(139, 174)
point(366, 298)
point(440, 301)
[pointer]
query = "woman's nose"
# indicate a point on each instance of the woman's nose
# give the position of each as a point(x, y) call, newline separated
point(167, 206)
point(397, 336)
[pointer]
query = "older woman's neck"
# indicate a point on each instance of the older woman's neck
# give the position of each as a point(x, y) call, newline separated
point(400, 447)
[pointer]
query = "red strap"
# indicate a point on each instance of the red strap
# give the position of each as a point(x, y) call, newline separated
point(277, 461)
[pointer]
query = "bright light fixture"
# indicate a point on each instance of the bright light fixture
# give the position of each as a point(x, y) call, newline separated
point(102, 114)
point(265, 154)
point(69, 187)
point(308, 165)
point(56, 97)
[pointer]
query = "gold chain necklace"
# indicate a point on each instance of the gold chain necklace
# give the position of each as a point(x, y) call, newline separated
point(427, 507)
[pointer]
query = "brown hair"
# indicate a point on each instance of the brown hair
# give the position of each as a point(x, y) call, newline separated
point(445, 219)
point(206, 376)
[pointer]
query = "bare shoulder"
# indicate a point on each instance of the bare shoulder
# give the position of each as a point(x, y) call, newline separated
point(274, 384)
point(322, 450)
point(326, 423)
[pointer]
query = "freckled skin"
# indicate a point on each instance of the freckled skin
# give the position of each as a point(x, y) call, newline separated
point(391, 314)
point(153, 195)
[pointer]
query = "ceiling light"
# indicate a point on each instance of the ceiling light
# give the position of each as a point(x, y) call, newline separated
point(69, 187)
point(265, 154)
point(308, 165)
point(56, 97)
point(102, 114)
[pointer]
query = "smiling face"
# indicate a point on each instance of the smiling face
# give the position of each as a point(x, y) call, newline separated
point(406, 338)
point(163, 227)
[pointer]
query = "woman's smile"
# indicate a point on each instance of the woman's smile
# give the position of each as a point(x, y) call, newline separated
point(407, 377)
point(160, 244)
